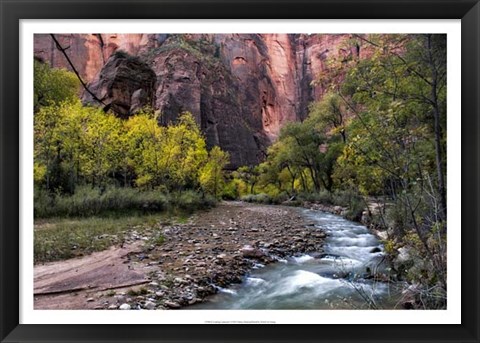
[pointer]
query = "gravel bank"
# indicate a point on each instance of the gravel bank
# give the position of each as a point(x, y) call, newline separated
point(213, 249)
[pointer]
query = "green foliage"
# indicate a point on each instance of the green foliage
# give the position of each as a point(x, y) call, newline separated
point(303, 160)
point(74, 143)
point(190, 201)
point(169, 156)
point(249, 175)
point(211, 174)
point(261, 198)
point(88, 201)
point(230, 191)
point(396, 143)
point(323, 197)
point(53, 86)
point(77, 145)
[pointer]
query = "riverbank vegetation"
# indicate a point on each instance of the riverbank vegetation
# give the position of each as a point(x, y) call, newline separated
point(62, 238)
point(87, 162)
point(98, 178)
point(379, 135)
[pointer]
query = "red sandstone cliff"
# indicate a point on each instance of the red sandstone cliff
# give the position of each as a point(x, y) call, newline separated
point(241, 88)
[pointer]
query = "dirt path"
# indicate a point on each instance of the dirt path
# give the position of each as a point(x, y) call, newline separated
point(216, 247)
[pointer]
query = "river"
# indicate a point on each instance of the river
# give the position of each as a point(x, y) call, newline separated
point(339, 277)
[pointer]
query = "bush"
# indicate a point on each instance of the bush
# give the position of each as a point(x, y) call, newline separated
point(344, 198)
point(88, 201)
point(352, 201)
point(355, 209)
point(261, 198)
point(190, 201)
point(323, 197)
point(280, 198)
point(397, 217)
point(230, 191)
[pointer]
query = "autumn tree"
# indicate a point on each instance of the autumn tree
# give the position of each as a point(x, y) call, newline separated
point(53, 86)
point(211, 176)
point(397, 135)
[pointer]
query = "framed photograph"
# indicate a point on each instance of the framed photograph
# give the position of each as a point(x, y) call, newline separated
point(166, 166)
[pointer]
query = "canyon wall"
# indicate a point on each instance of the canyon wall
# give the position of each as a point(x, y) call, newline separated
point(241, 88)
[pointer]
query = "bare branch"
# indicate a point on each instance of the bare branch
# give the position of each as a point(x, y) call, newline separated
point(63, 51)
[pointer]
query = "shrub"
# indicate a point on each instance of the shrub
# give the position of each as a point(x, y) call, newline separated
point(344, 198)
point(261, 198)
point(355, 211)
point(323, 197)
point(190, 201)
point(280, 198)
point(88, 201)
point(397, 217)
point(230, 191)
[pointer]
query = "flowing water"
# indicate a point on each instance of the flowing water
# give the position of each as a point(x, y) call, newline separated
point(337, 278)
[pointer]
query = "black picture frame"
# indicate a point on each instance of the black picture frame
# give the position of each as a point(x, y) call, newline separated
point(13, 11)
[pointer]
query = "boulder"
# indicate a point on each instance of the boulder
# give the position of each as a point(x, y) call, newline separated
point(125, 307)
point(149, 305)
point(171, 304)
point(125, 85)
point(250, 252)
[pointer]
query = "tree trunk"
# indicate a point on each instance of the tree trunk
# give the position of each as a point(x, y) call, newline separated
point(438, 131)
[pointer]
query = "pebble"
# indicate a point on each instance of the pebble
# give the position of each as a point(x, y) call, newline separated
point(125, 307)
point(149, 305)
point(171, 304)
point(193, 257)
point(121, 298)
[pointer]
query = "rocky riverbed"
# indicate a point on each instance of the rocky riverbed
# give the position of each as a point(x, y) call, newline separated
point(181, 264)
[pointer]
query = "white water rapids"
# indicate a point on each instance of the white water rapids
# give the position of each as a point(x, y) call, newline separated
point(337, 278)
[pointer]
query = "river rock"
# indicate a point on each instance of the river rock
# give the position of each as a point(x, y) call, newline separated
point(218, 261)
point(403, 255)
point(383, 235)
point(251, 252)
point(125, 307)
point(149, 305)
point(171, 304)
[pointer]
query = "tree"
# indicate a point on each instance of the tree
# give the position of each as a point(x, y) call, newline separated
point(409, 70)
point(101, 146)
point(53, 86)
point(211, 174)
point(184, 152)
point(397, 136)
point(329, 115)
point(170, 156)
point(249, 175)
point(144, 140)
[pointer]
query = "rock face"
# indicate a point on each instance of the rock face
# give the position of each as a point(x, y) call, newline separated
point(125, 84)
point(241, 88)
